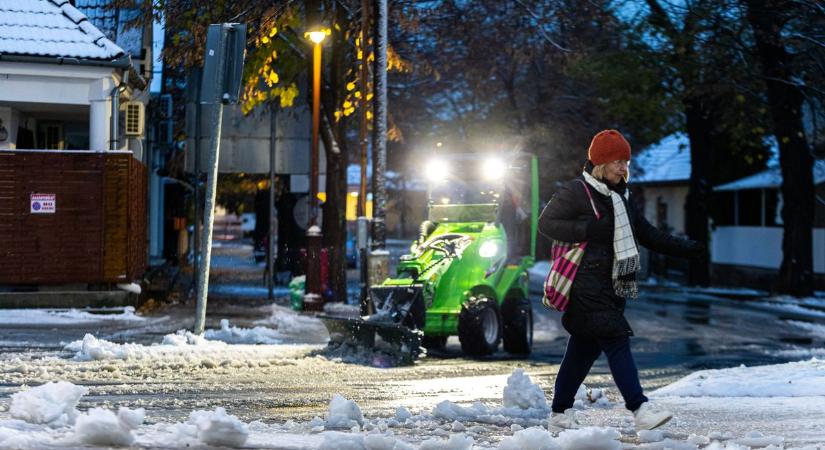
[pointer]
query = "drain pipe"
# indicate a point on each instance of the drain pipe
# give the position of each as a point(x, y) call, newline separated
point(114, 122)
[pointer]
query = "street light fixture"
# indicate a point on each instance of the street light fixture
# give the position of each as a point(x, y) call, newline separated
point(313, 299)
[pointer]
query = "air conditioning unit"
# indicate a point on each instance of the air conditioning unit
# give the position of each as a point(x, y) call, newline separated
point(135, 112)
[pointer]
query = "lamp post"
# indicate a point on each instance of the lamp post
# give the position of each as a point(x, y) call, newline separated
point(312, 298)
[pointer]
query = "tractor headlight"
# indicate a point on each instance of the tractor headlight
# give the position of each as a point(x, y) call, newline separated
point(493, 169)
point(489, 249)
point(436, 170)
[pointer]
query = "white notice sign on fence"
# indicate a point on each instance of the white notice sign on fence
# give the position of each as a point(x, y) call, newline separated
point(43, 203)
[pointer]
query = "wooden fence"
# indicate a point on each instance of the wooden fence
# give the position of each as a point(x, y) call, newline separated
point(94, 233)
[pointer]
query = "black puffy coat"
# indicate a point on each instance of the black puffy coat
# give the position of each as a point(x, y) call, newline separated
point(595, 309)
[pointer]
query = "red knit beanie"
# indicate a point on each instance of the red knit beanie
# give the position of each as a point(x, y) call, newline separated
point(608, 146)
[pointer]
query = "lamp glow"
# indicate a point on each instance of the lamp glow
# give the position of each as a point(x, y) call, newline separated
point(493, 169)
point(317, 36)
point(436, 171)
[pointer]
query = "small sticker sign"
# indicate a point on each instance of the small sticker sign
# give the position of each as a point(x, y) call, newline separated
point(43, 203)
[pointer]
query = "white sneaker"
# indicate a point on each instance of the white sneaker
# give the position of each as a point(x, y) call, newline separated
point(649, 417)
point(566, 421)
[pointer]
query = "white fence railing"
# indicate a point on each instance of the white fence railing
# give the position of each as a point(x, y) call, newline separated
point(759, 247)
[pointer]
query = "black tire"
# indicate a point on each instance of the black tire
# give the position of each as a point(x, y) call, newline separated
point(517, 314)
point(479, 326)
point(434, 342)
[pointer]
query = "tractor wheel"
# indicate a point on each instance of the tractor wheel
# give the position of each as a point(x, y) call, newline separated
point(479, 326)
point(518, 326)
point(434, 342)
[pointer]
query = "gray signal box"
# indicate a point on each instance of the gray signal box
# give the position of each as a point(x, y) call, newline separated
point(225, 48)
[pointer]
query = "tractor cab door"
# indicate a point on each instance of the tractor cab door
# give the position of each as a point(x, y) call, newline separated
point(518, 208)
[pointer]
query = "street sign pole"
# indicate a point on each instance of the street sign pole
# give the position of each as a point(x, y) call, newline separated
point(221, 85)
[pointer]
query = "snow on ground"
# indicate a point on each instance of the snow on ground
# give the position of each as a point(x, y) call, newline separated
point(788, 395)
point(42, 317)
point(795, 379)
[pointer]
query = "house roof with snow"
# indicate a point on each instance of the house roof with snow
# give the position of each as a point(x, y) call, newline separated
point(771, 178)
point(666, 162)
point(54, 31)
point(112, 23)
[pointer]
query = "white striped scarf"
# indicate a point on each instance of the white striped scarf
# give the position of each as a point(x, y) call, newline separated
point(625, 254)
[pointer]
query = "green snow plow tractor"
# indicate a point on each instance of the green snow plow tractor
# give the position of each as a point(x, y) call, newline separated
point(466, 273)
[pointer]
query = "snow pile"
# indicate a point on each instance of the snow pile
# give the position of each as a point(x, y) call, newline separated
point(50, 404)
point(183, 338)
point(454, 442)
point(295, 327)
point(757, 439)
point(795, 379)
point(534, 438)
point(216, 428)
point(94, 349)
point(67, 317)
point(523, 402)
point(343, 413)
point(236, 335)
point(589, 438)
point(521, 392)
point(591, 396)
point(185, 345)
point(335, 440)
point(102, 427)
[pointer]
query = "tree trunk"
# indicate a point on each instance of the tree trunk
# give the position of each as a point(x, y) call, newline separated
point(379, 140)
point(334, 225)
point(785, 102)
point(699, 130)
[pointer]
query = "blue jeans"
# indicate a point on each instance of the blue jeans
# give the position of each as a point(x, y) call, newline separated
point(581, 353)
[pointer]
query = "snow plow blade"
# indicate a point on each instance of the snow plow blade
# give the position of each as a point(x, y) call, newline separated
point(394, 329)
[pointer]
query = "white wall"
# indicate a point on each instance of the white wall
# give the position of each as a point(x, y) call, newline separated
point(759, 247)
point(54, 84)
point(675, 198)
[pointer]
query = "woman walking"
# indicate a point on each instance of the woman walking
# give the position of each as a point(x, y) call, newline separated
point(606, 276)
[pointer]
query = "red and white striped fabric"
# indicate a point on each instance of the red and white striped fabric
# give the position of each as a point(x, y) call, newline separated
point(565, 258)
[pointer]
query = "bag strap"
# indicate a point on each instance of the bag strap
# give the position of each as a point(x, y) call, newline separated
point(590, 196)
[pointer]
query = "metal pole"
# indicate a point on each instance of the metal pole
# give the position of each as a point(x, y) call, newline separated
point(209, 208)
point(270, 266)
point(316, 108)
point(197, 230)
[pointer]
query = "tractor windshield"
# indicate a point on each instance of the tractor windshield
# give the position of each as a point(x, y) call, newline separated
point(465, 201)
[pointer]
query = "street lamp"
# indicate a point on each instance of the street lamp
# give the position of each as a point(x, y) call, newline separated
point(313, 299)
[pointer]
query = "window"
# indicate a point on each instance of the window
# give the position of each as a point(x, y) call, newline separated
point(724, 209)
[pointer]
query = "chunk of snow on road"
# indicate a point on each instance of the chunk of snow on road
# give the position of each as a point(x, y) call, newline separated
point(522, 393)
point(295, 327)
point(646, 436)
point(50, 404)
point(183, 338)
point(218, 428)
point(590, 438)
point(534, 438)
point(102, 427)
point(343, 413)
point(236, 335)
point(402, 414)
point(454, 442)
point(795, 379)
point(757, 439)
point(94, 349)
